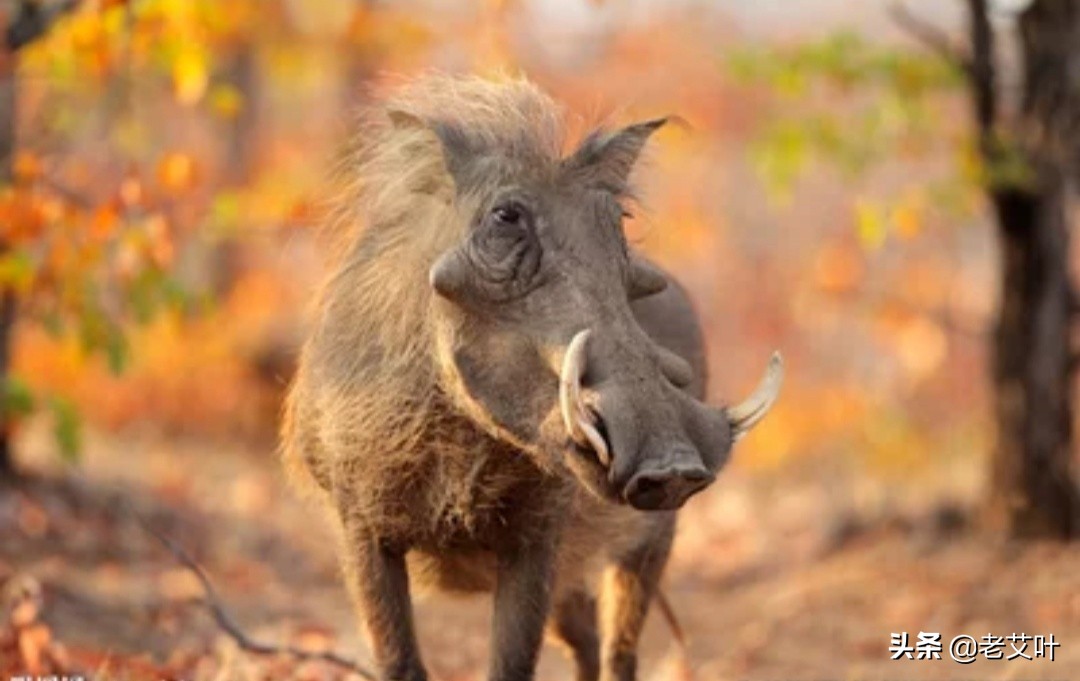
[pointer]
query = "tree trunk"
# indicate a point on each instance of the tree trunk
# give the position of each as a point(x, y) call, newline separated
point(1033, 489)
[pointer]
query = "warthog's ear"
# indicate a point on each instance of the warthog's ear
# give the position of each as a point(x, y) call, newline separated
point(457, 147)
point(606, 159)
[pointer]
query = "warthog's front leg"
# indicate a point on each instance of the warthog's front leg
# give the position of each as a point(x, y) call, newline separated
point(628, 586)
point(522, 603)
point(377, 579)
point(573, 621)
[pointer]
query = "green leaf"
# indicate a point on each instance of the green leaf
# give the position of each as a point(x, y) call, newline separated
point(144, 295)
point(154, 291)
point(16, 398)
point(855, 105)
point(781, 155)
point(53, 323)
point(117, 352)
point(745, 66)
point(225, 213)
point(67, 428)
point(16, 270)
point(98, 333)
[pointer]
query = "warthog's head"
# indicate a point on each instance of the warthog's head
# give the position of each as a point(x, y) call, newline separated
point(535, 333)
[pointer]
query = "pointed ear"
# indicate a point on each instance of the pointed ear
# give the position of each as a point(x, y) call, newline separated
point(459, 150)
point(608, 158)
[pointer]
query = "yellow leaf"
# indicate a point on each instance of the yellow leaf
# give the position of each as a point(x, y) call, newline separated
point(86, 30)
point(870, 225)
point(226, 101)
point(190, 74)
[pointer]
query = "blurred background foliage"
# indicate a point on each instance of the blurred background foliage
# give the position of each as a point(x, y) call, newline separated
point(170, 169)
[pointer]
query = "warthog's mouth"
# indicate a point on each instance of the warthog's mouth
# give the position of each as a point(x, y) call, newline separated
point(599, 445)
point(600, 456)
point(592, 466)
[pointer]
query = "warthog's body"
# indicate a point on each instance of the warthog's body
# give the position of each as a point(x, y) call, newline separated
point(433, 427)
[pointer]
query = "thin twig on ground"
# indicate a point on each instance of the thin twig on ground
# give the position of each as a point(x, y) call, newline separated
point(228, 625)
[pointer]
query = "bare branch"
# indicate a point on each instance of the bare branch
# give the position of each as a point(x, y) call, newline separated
point(977, 61)
point(983, 73)
point(33, 19)
point(228, 624)
point(933, 37)
point(672, 619)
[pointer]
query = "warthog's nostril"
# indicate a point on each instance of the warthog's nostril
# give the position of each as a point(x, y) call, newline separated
point(666, 489)
point(648, 491)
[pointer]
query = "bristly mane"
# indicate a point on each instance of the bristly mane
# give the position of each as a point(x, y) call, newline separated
point(389, 164)
point(366, 376)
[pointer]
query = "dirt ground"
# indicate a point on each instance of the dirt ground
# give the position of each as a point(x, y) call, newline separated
point(800, 574)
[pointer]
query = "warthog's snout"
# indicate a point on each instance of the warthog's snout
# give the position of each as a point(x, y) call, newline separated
point(666, 488)
point(655, 446)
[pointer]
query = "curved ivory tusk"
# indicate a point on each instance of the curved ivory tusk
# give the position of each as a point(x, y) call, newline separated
point(749, 412)
point(576, 415)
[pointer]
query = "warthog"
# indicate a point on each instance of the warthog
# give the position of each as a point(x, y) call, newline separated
point(498, 393)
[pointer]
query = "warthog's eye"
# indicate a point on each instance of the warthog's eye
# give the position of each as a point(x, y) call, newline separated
point(505, 251)
point(507, 214)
